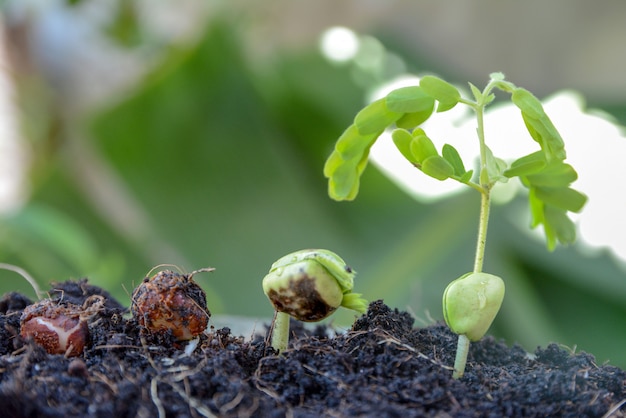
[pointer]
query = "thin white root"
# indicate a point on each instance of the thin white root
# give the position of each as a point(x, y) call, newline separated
point(26, 276)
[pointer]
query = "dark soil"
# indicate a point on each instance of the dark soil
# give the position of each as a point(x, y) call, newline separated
point(382, 367)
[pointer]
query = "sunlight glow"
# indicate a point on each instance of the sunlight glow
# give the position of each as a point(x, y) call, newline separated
point(339, 44)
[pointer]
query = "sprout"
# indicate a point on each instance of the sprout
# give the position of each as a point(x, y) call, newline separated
point(171, 302)
point(471, 302)
point(308, 285)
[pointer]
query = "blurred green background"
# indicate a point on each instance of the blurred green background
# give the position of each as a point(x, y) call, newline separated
point(212, 156)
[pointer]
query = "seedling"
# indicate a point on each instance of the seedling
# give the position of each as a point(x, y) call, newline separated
point(471, 302)
point(308, 285)
point(171, 302)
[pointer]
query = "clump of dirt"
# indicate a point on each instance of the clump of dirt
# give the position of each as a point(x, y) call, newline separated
point(382, 367)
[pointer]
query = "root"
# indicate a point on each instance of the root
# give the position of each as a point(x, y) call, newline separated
point(26, 276)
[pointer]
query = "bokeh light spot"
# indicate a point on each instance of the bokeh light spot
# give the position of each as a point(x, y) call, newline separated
point(339, 44)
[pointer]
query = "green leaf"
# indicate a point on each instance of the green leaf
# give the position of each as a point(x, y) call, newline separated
point(538, 124)
point(536, 208)
point(360, 166)
point(354, 301)
point(501, 83)
point(490, 98)
point(402, 139)
point(495, 167)
point(351, 144)
point(411, 120)
point(544, 132)
point(556, 174)
point(452, 156)
point(344, 174)
point(466, 177)
point(333, 162)
point(561, 225)
point(422, 147)
point(528, 164)
point(437, 167)
point(527, 103)
point(476, 92)
point(344, 183)
point(375, 117)
point(445, 93)
point(561, 197)
point(409, 100)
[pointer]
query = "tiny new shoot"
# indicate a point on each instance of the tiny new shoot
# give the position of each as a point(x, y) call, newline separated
point(308, 285)
point(471, 302)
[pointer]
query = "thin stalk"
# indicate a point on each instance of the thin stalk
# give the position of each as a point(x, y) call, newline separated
point(480, 130)
point(463, 343)
point(280, 332)
point(481, 242)
point(461, 356)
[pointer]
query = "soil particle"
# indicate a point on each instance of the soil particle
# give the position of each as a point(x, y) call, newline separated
point(382, 367)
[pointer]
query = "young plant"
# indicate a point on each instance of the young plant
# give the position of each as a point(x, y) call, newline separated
point(471, 302)
point(308, 285)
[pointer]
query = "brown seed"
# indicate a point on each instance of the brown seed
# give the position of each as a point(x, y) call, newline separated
point(170, 301)
point(58, 328)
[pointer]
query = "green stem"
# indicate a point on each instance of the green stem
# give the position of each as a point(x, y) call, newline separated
point(280, 332)
point(461, 357)
point(481, 242)
point(485, 205)
point(480, 130)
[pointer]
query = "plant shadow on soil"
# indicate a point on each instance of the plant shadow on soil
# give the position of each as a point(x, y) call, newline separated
point(382, 367)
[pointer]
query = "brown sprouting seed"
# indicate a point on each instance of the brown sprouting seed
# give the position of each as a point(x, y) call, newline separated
point(170, 301)
point(59, 327)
